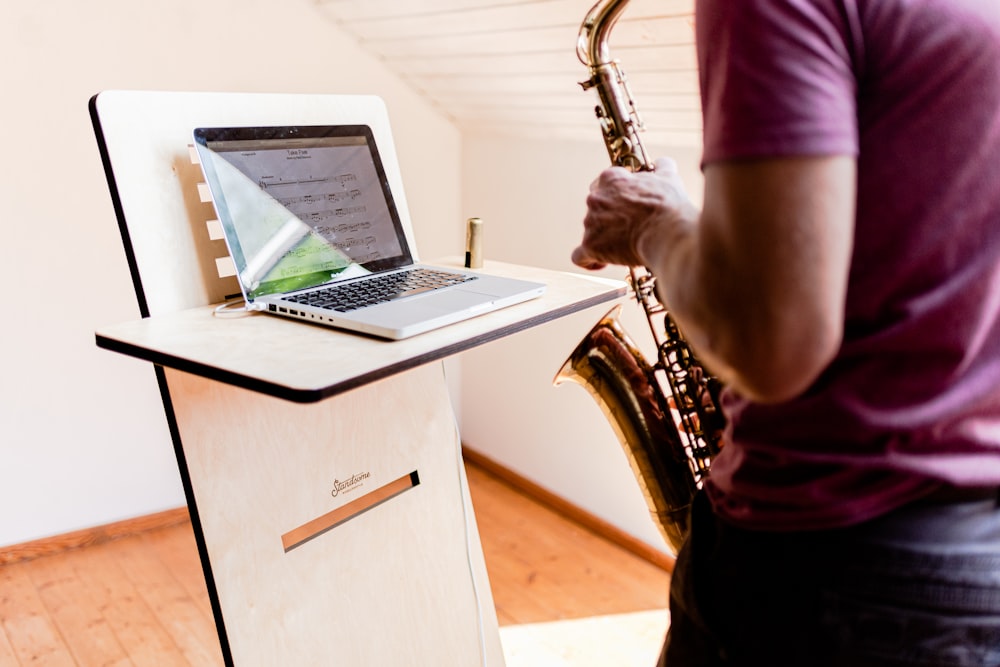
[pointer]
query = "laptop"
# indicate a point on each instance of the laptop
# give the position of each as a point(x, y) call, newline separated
point(314, 234)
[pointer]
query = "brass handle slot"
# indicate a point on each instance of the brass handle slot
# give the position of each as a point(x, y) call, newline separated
point(334, 518)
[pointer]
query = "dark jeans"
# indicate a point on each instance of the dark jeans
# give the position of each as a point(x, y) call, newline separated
point(920, 586)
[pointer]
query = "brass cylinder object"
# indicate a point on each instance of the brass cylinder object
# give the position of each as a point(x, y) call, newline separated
point(474, 243)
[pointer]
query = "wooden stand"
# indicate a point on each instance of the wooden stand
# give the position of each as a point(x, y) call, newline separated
point(323, 470)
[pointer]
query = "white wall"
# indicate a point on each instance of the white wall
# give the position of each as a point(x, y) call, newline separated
point(83, 439)
point(531, 195)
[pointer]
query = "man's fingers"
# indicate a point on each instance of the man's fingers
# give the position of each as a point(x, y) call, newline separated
point(584, 260)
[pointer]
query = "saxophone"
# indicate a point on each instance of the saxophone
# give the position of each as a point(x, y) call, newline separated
point(666, 413)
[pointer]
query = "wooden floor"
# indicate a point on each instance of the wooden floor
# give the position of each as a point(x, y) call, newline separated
point(141, 601)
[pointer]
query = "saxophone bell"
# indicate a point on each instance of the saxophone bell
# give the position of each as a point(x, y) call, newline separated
point(609, 365)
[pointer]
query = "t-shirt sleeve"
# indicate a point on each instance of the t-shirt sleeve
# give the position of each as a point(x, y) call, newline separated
point(777, 78)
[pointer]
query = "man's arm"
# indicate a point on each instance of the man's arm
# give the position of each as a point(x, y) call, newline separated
point(757, 280)
point(759, 284)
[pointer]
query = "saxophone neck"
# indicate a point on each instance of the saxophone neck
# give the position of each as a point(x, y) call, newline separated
point(619, 119)
point(592, 42)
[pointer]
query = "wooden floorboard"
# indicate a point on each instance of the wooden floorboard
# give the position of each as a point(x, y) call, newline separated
point(140, 601)
point(135, 624)
point(543, 567)
point(7, 656)
point(33, 636)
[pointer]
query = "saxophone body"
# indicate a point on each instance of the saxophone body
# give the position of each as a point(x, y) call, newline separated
point(665, 412)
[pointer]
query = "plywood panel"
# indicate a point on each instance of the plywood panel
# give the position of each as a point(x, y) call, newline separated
point(400, 584)
point(146, 137)
point(303, 361)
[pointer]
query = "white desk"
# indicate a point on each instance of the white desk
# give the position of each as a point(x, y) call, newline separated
point(322, 470)
point(305, 363)
point(326, 482)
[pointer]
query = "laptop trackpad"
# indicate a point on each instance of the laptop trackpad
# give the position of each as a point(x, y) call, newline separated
point(446, 301)
point(406, 312)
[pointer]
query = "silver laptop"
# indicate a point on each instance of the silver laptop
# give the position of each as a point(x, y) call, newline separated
point(309, 219)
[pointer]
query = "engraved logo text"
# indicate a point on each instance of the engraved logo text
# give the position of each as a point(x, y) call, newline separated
point(349, 484)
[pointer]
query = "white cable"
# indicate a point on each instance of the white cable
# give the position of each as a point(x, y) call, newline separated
point(232, 308)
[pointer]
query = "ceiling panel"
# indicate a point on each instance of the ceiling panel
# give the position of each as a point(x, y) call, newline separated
point(511, 65)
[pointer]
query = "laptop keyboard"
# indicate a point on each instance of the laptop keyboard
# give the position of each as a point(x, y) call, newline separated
point(379, 289)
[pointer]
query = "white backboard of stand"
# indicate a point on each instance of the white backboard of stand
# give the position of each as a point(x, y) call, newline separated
point(146, 141)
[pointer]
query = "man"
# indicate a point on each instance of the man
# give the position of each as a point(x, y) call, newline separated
point(843, 280)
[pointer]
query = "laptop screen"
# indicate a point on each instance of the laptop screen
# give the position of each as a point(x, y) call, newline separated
point(301, 206)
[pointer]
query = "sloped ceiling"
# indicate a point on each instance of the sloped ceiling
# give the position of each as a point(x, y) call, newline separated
point(511, 65)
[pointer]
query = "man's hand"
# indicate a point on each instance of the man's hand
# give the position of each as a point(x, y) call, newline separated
point(757, 279)
point(628, 211)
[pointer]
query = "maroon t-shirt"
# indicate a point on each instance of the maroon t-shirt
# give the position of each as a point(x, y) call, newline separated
point(912, 399)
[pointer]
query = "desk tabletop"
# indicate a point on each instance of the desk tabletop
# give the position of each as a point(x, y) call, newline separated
point(305, 363)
